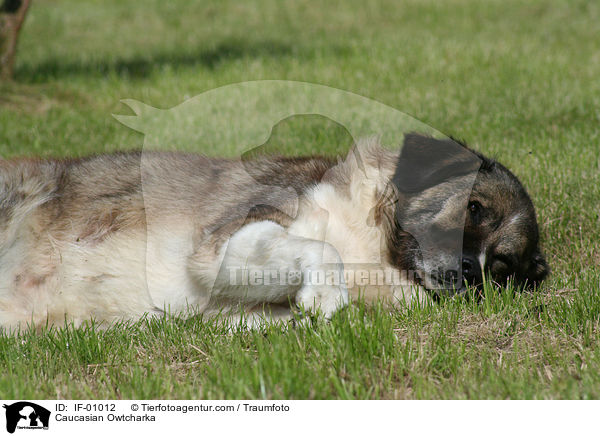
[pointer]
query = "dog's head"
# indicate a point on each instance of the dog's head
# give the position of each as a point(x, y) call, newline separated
point(461, 215)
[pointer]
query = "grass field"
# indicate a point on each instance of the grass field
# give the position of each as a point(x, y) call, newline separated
point(516, 79)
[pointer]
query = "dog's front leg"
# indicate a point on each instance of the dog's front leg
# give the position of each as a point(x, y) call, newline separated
point(262, 263)
point(323, 287)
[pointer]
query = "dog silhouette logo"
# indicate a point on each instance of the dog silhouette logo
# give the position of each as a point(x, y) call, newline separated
point(26, 415)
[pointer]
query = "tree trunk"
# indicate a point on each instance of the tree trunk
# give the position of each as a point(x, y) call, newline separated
point(12, 15)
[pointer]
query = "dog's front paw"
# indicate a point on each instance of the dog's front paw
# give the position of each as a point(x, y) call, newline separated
point(326, 299)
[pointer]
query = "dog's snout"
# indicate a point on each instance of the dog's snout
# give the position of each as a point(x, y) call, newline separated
point(471, 270)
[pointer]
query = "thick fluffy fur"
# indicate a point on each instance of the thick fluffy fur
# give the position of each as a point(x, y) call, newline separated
point(120, 236)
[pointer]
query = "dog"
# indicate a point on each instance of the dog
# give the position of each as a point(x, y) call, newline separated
point(127, 235)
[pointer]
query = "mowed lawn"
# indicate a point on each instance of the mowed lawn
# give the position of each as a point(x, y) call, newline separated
point(516, 79)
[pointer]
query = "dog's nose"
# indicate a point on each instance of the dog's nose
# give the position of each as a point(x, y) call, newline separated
point(471, 270)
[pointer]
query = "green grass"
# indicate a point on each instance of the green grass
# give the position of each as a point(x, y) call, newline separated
point(516, 79)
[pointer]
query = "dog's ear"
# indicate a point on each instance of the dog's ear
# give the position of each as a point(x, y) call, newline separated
point(425, 162)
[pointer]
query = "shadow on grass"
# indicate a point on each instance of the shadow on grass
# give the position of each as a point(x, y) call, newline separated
point(143, 64)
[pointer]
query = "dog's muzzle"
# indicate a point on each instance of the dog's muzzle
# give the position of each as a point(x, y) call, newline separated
point(454, 283)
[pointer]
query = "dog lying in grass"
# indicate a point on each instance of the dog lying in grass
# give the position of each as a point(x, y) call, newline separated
point(122, 236)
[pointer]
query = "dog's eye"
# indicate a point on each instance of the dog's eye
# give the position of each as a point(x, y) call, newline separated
point(474, 208)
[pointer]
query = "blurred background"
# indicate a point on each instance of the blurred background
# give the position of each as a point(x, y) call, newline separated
point(487, 71)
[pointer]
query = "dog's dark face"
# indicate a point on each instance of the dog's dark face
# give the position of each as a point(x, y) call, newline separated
point(461, 215)
point(501, 231)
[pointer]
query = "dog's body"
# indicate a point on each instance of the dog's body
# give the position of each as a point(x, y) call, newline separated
point(120, 236)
